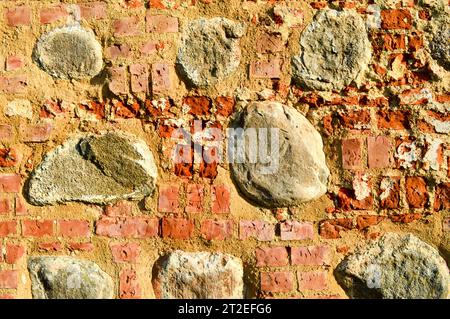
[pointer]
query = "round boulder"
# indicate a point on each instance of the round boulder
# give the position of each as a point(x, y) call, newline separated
point(276, 156)
point(69, 53)
point(335, 50)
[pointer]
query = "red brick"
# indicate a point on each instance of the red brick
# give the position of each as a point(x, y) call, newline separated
point(149, 47)
point(80, 246)
point(16, 16)
point(442, 197)
point(14, 84)
point(405, 218)
point(332, 228)
point(295, 230)
point(177, 228)
point(128, 252)
point(74, 228)
point(95, 108)
point(217, 229)
point(53, 14)
point(8, 228)
point(160, 78)
point(279, 281)
point(162, 24)
point(8, 157)
point(346, 200)
point(133, 4)
point(354, 120)
point(14, 62)
point(378, 152)
point(14, 253)
point(6, 206)
point(118, 51)
point(157, 4)
point(117, 83)
point(265, 69)
point(351, 153)
point(129, 287)
point(396, 19)
point(9, 279)
point(7, 296)
point(311, 255)
point(126, 27)
point(415, 42)
point(261, 230)
point(209, 163)
point(363, 222)
point(391, 42)
point(416, 192)
point(122, 208)
point(390, 195)
point(224, 105)
point(10, 183)
point(139, 78)
point(272, 257)
point(36, 133)
point(50, 247)
point(394, 120)
point(93, 10)
point(220, 199)
point(37, 228)
point(269, 43)
point(312, 280)
point(194, 198)
point(6, 132)
point(198, 105)
point(169, 197)
point(130, 227)
point(126, 110)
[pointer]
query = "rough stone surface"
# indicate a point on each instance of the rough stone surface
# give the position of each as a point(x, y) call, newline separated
point(302, 173)
point(68, 278)
point(209, 50)
point(94, 169)
point(395, 266)
point(201, 275)
point(335, 51)
point(440, 43)
point(69, 53)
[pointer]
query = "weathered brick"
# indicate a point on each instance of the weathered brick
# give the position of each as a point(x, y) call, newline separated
point(177, 228)
point(311, 255)
point(279, 281)
point(6, 132)
point(80, 246)
point(194, 198)
point(416, 192)
point(122, 208)
point(390, 192)
point(442, 197)
point(14, 62)
point(139, 78)
point(9, 279)
point(14, 253)
point(394, 120)
point(53, 14)
point(269, 43)
point(128, 252)
point(351, 153)
point(50, 247)
point(379, 152)
point(74, 228)
point(272, 257)
point(16, 16)
point(296, 230)
point(168, 201)
point(93, 10)
point(224, 105)
point(220, 199)
point(160, 78)
point(14, 84)
point(8, 228)
point(396, 19)
point(117, 83)
point(259, 229)
point(332, 228)
point(365, 221)
point(118, 51)
point(126, 27)
point(6, 205)
point(36, 133)
point(266, 69)
point(312, 280)
point(162, 24)
point(131, 227)
point(198, 105)
point(37, 228)
point(129, 287)
point(10, 183)
point(217, 229)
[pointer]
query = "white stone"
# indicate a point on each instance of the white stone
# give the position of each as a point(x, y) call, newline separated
point(21, 108)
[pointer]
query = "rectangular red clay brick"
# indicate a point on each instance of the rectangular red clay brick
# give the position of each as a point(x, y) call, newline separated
point(139, 78)
point(378, 151)
point(272, 256)
point(352, 153)
point(259, 229)
point(20, 206)
point(160, 78)
point(126, 27)
point(53, 14)
point(394, 120)
point(265, 69)
point(74, 228)
point(122, 208)
point(129, 287)
point(9, 279)
point(118, 51)
point(279, 281)
point(162, 24)
point(6, 132)
point(50, 247)
point(416, 192)
point(217, 229)
point(396, 19)
point(194, 198)
point(117, 82)
point(93, 10)
point(80, 246)
point(295, 230)
point(6, 205)
point(313, 280)
point(14, 84)
point(128, 252)
point(36, 133)
point(310, 255)
point(149, 47)
point(37, 228)
point(14, 253)
point(220, 199)
point(177, 228)
point(8, 228)
point(132, 227)
point(168, 200)
point(10, 183)
point(17, 16)
point(14, 62)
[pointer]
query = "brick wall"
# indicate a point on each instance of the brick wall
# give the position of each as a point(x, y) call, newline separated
point(385, 139)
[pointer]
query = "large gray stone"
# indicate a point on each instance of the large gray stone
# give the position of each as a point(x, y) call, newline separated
point(209, 50)
point(201, 275)
point(69, 53)
point(335, 50)
point(298, 173)
point(440, 43)
point(94, 169)
point(395, 267)
point(68, 278)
